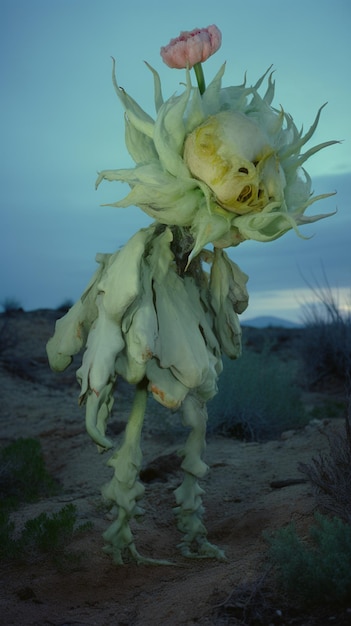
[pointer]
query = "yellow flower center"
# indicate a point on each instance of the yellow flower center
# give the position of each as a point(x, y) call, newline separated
point(231, 154)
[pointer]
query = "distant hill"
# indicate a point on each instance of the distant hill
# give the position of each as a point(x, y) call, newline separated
point(264, 321)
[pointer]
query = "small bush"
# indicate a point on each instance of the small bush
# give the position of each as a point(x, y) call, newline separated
point(23, 475)
point(8, 547)
point(330, 474)
point(24, 478)
point(8, 337)
point(318, 571)
point(326, 344)
point(10, 305)
point(250, 603)
point(257, 397)
point(42, 535)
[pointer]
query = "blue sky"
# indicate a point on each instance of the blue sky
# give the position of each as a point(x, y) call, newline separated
point(61, 122)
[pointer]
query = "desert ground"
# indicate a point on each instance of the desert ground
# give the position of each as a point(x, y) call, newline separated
point(250, 488)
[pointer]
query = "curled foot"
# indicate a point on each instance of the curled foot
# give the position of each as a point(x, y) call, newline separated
point(120, 543)
point(195, 544)
point(205, 550)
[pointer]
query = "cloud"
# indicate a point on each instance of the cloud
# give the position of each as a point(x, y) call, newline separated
point(293, 304)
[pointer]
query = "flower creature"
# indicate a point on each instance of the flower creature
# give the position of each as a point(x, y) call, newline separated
point(226, 165)
point(215, 167)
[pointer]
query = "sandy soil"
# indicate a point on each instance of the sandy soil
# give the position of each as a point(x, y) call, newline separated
point(241, 501)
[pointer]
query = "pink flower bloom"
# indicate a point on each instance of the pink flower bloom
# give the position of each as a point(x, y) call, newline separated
point(192, 47)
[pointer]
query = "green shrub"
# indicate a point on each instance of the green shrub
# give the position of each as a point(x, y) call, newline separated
point(330, 473)
point(318, 570)
point(257, 397)
point(24, 478)
point(42, 535)
point(8, 546)
point(23, 475)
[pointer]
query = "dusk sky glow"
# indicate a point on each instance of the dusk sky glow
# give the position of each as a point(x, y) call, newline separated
point(61, 122)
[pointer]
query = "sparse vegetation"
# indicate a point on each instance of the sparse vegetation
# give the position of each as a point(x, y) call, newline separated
point(10, 305)
point(318, 571)
point(271, 382)
point(42, 536)
point(23, 475)
point(260, 394)
point(329, 409)
point(24, 478)
point(326, 344)
point(258, 397)
point(8, 337)
point(251, 603)
point(330, 473)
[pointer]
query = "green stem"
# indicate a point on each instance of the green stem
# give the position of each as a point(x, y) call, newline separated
point(200, 77)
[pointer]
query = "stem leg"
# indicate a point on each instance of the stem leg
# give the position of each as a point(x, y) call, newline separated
point(189, 510)
point(124, 489)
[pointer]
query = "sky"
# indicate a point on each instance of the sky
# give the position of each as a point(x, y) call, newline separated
point(61, 122)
